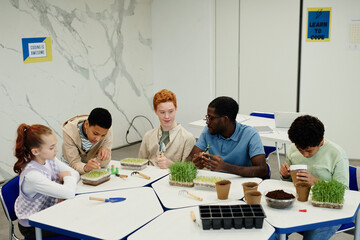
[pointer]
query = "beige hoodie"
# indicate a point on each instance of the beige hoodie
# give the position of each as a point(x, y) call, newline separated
point(71, 146)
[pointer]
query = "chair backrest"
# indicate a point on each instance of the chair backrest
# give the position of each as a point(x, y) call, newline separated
point(263, 114)
point(9, 194)
point(354, 178)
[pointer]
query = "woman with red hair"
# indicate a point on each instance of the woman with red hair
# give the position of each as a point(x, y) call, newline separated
point(177, 142)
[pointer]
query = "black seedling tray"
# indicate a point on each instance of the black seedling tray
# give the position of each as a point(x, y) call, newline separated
point(231, 216)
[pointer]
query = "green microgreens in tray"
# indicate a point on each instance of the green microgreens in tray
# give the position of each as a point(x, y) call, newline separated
point(133, 160)
point(96, 173)
point(330, 192)
point(183, 172)
point(207, 179)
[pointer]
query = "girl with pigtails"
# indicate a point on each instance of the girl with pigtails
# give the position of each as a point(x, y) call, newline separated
point(44, 180)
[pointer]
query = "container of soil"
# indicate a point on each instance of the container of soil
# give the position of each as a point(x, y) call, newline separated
point(279, 199)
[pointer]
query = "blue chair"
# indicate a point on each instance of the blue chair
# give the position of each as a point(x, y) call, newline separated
point(354, 175)
point(9, 193)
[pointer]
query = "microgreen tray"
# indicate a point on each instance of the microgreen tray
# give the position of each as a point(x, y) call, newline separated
point(134, 163)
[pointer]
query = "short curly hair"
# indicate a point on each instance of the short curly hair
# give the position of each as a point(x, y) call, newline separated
point(225, 106)
point(306, 131)
point(164, 96)
point(101, 117)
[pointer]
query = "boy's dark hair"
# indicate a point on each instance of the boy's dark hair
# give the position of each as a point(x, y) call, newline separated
point(100, 117)
point(306, 131)
point(225, 106)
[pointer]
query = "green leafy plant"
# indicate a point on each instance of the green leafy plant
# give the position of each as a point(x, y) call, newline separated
point(207, 179)
point(96, 173)
point(331, 192)
point(183, 172)
point(133, 160)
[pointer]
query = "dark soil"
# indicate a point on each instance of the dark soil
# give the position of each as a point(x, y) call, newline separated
point(280, 194)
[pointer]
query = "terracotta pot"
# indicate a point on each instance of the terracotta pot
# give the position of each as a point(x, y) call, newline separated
point(223, 189)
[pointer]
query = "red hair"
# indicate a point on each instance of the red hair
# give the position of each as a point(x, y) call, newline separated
point(28, 137)
point(164, 96)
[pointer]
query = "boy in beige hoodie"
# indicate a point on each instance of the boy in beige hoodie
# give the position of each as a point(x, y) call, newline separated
point(87, 140)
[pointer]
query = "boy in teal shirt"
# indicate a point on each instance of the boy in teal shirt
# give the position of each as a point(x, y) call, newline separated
point(325, 160)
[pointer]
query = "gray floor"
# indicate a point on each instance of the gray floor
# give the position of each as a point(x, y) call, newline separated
point(131, 151)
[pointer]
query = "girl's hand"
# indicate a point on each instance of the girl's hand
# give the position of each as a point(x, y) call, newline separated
point(63, 174)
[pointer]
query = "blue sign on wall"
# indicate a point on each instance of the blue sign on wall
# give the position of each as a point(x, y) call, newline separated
point(37, 49)
point(318, 28)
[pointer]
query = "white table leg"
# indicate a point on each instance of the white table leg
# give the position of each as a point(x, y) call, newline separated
point(282, 236)
point(357, 226)
point(38, 233)
point(277, 155)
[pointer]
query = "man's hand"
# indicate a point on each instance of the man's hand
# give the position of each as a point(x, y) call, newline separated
point(91, 164)
point(285, 170)
point(214, 162)
point(163, 162)
point(198, 160)
point(63, 174)
point(104, 154)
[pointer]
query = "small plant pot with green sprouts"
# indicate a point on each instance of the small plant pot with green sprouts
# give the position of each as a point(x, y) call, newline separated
point(328, 194)
point(134, 163)
point(95, 177)
point(207, 181)
point(182, 174)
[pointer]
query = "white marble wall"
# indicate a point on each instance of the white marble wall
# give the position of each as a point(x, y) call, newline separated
point(101, 57)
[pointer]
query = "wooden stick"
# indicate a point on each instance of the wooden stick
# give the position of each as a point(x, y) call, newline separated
point(195, 196)
point(97, 199)
point(144, 175)
point(122, 176)
point(192, 214)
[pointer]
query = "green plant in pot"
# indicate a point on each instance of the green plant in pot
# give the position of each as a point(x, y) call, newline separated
point(182, 174)
point(328, 194)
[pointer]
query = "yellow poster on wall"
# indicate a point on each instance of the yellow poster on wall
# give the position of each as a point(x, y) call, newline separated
point(318, 24)
point(37, 49)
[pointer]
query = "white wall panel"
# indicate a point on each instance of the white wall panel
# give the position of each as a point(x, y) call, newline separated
point(330, 79)
point(268, 55)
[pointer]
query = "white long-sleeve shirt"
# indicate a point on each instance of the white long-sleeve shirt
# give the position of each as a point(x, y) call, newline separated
point(35, 182)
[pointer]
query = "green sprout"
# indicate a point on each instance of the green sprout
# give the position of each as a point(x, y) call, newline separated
point(330, 192)
point(207, 147)
point(96, 173)
point(207, 179)
point(133, 160)
point(183, 172)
